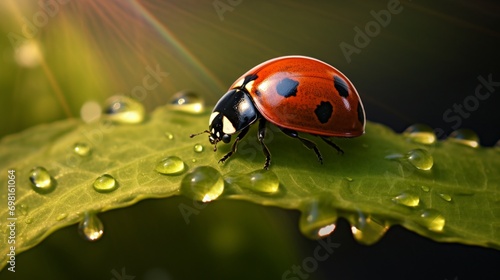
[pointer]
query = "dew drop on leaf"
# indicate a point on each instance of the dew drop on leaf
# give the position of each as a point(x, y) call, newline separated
point(420, 133)
point(169, 135)
point(81, 149)
point(261, 180)
point(123, 109)
point(445, 197)
point(23, 208)
point(61, 216)
point(425, 188)
point(420, 159)
point(41, 181)
point(187, 101)
point(198, 148)
point(432, 219)
point(170, 166)
point(204, 183)
point(367, 230)
point(318, 218)
point(91, 227)
point(105, 183)
point(28, 220)
point(465, 137)
point(407, 198)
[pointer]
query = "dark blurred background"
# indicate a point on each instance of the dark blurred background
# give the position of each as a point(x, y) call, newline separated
point(433, 62)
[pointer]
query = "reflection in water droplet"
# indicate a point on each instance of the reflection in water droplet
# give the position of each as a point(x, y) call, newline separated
point(445, 197)
point(420, 133)
point(465, 137)
point(366, 229)
point(407, 198)
point(105, 183)
point(123, 109)
point(425, 188)
point(261, 180)
point(41, 181)
point(91, 227)
point(420, 159)
point(432, 220)
point(204, 183)
point(61, 216)
point(170, 166)
point(198, 148)
point(187, 101)
point(81, 149)
point(318, 218)
point(169, 135)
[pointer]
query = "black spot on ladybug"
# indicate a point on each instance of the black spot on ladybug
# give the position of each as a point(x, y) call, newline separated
point(341, 86)
point(361, 114)
point(249, 78)
point(324, 111)
point(287, 87)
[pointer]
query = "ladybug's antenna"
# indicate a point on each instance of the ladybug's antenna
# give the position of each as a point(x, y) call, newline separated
point(193, 135)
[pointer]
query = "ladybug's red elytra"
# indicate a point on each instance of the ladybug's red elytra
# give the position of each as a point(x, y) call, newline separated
point(295, 93)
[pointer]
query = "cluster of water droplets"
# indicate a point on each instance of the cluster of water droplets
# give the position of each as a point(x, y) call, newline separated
point(205, 183)
point(424, 134)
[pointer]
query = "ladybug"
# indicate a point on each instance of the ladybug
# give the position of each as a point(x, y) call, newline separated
point(296, 94)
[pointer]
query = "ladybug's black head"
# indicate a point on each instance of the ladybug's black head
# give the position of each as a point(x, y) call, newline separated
point(234, 112)
point(220, 129)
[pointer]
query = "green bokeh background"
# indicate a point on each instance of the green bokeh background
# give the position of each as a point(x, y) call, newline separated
point(426, 59)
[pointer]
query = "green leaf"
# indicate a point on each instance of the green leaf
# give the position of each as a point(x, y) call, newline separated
point(457, 200)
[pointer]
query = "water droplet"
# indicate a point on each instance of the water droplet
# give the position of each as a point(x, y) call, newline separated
point(23, 208)
point(193, 160)
point(81, 149)
point(366, 229)
point(170, 166)
point(425, 188)
point(91, 227)
point(445, 197)
point(61, 216)
point(349, 179)
point(318, 218)
point(123, 109)
point(432, 220)
point(28, 220)
point(465, 137)
point(198, 148)
point(204, 183)
point(264, 181)
point(105, 183)
point(420, 133)
point(41, 181)
point(407, 198)
point(169, 135)
point(420, 158)
point(187, 101)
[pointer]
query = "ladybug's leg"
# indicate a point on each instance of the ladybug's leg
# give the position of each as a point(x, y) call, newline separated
point(308, 143)
point(235, 144)
point(329, 142)
point(261, 134)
